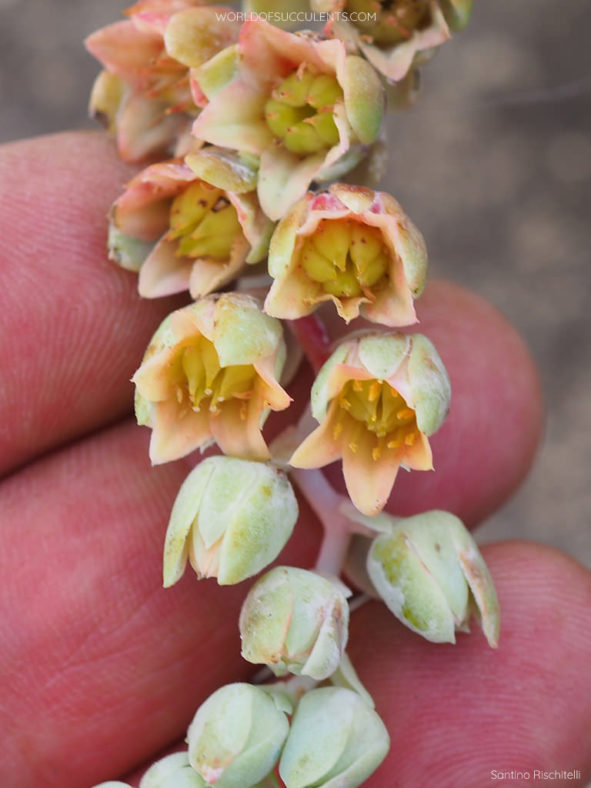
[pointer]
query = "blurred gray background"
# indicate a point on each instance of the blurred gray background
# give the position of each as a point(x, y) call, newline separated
point(493, 164)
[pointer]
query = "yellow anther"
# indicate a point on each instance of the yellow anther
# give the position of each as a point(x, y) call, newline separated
point(357, 385)
point(410, 438)
point(405, 413)
point(376, 453)
point(344, 403)
point(337, 429)
point(374, 390)
point(243, 411)
point(180, 394)
point(395, 443)
point(353, 446)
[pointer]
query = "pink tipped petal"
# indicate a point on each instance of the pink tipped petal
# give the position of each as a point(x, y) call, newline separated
point(235, 119)
point(419, 456)
point(284, 179)
point(153, 379)
point(236, 430)
point(207, 276)
point(145, 129)
point(176, 433)
point(125, 50)
point(320, 448)
point(163, 272)
point(270, 388)
point(292, 296)
point(369, 482)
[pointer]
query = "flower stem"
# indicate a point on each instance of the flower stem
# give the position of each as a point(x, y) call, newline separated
point(327, 504)
point(313, 338)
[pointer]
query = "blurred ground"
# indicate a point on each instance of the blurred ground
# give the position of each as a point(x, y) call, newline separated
point(493, 164)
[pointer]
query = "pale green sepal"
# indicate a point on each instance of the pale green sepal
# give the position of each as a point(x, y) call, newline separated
point(182, 517)
point(335, 741)
point(456, 12)
point(430, 386)
point(343, 164)
point(412, 250)
point(236, 736)
point(281, 698)
point(319, 397)
point(112, 784)
point(213, 76)
point(407, 587)
point(224, 169)
point(364, 99)
point(243, 333)
point(173, 771)
point(346, 676)
point(126, 251)
point(259, 527)
point(284, 238)
point(382, 354)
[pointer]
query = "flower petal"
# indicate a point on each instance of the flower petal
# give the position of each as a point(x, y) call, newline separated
point(369, 481)
point(164, 272)
point(176, 433)
point(237, 433)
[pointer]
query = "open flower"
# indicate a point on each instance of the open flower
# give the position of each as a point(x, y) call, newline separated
point(204, 220)
point(210, 375)
point(351, 246)
point(144, 93)
point(298, 101)
point(396, 35)
point(377, 399)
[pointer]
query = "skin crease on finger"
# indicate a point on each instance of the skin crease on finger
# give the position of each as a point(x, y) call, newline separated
point(105, 666)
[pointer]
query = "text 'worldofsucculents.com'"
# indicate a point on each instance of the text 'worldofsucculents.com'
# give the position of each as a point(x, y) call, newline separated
point(296, 17)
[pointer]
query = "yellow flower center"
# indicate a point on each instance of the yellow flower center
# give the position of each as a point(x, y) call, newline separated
point(204, 222)
point(203, 383)
point(374, 406)
point(300, 111)
point(394, 20)
point(346, 257)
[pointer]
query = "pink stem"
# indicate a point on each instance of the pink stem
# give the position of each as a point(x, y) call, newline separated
point(327, 505)
point(313, 337)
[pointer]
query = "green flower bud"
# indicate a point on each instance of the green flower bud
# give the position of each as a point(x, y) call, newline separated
point(231, 518)
point(236, 736)
point(174, 771)
point(336, 741)
point(431, 575)
point(295, 621)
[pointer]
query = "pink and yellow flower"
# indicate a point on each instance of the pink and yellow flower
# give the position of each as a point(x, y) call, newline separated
point(210, 374)
point(190, 227)
point(300, 102)
point(144, 94)
point(378, 398)
point(352, 246)
point(397, 35)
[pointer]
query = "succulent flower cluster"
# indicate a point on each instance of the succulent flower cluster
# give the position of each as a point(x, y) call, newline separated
point(252, 135)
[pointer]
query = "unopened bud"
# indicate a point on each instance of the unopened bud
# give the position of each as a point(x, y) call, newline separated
point(295, 621)
point(231, 518)
point(431, 575)
point(236, 736)
point(336, 741)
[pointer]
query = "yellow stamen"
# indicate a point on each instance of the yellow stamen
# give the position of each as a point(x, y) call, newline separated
point(405, 413)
